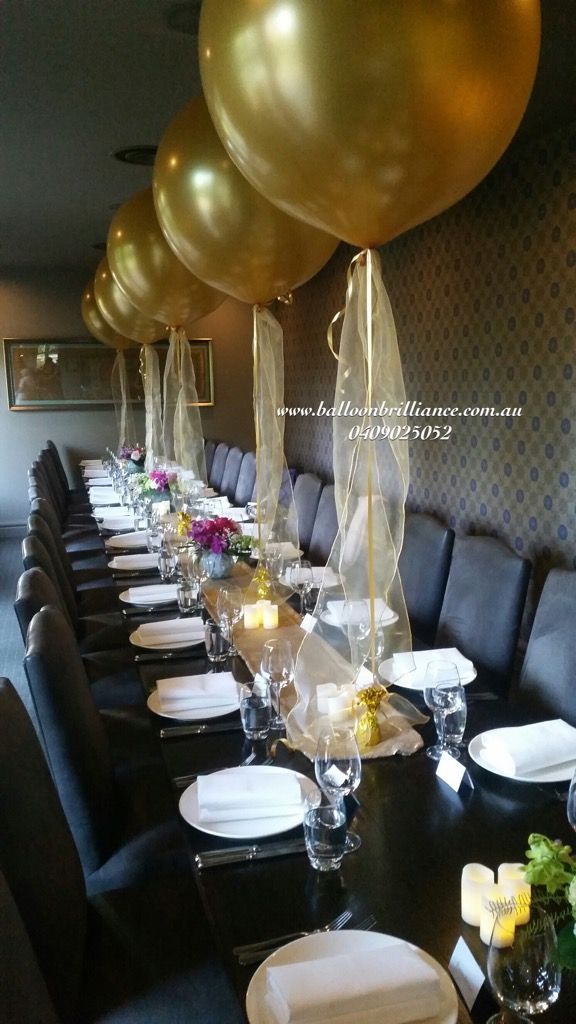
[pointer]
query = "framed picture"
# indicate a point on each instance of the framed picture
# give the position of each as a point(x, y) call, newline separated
point(74, 373)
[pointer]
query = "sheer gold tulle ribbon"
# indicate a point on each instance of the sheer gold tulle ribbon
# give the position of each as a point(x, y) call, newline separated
point(120, 387)
point(150, 372)
point(181, 422)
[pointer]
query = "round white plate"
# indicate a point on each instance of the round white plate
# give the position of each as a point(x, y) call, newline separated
point(413, 680)
point(140, 563)
point(386, 620)
point(317, 947)
point(556, 773)
point(128, 540)
point(124, 596)
point(176, 646)
point(255, 828)
point(190, 716)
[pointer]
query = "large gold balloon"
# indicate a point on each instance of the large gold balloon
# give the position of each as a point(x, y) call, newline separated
point(219, 226)
point(367, 117)
point(119, 312)
point(96, 324)
point(148, 272)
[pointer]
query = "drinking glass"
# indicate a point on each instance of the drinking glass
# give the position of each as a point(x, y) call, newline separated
point(187, 596)
point(571, 805)
point(255, 709)
point(277, 667)
point(454, 726)
point(521, 966)
point(299, 577)
point(338, 769)
point(443, 694)
point(274, 562)
point(216, 642)
point(153, 538)
point(229, 605)
point(166, 564)
point(325, 837)
point(356, 621)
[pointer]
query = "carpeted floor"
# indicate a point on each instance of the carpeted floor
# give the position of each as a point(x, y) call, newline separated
point(11, 645)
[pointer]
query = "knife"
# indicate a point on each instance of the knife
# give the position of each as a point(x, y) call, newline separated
point(180, 654)
point(153, 609)
point(239, 854)
point(199, 730)
point(122, 574)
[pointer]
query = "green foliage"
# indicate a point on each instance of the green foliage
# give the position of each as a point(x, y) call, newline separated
point(550, 863)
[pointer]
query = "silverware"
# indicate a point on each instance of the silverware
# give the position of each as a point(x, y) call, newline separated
point(182, 654)
point(251, 953)
point(181, 781)
point(240, 854)
point(478, 697)
point(153, 609)
point(199, 730)
point(144, 574)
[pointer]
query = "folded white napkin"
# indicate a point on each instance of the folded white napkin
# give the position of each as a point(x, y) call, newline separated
point(116, 511)
point(527, 748)
point(103, 496)
point(250, 529)
point(183, 693)
point(103, 481)
point(418, 661)
point(152, 594)
point(285, 547)
point(136, 539)
point(393, 985)
point(158, 630)
point(246, 795)
point(237, 514)
point(93, 463)
point(147, 561)
point(321, 576)
point(344, 617)
point(94, 472)
point(118, 522)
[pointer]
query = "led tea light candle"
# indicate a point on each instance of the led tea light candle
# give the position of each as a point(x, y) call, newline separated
point(332, 700)
point(512, 879)
point(270, 616)
point(475, 879)
point(251, 616)
point(497, 917)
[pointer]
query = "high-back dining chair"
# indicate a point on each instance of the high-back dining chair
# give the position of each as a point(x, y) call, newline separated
point(306, 497)
point(325, 527)
point(209, 449)
point(482, 608)
point(25, 998)
point(246, 480)
point(79, 541)
point(424, 564)
point(91, 601)
point(231, 472)
point(547, 683)
point(218, 464)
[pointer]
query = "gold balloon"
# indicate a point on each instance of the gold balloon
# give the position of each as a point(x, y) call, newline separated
point(96, 324)
point(148, 272)
point(366, 118)
point(119, 312)
point(219, 226)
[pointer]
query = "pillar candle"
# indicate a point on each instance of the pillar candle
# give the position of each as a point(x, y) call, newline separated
point(475, 878)
point(251, 616)
point(270, 616)
point(497, 917)
point(512, 879)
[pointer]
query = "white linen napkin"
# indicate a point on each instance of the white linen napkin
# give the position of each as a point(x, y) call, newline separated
point(103, 481)
point(285, 547)
point(147, 561)
point(94, 472)
point(418, 661)
point(237, 514)
point(527, 748)
point(189, 693)
point(243, 796)
point(336, 610)
point(249, 529)
point(102, 496)
point(392, 984)
point(119, 522)
point(321, 576)
point(171, 631)
point(153, 594)
point(135, 539)
point(92, 463)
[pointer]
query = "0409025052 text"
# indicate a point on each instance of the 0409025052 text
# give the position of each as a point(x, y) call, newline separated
point(401, 432)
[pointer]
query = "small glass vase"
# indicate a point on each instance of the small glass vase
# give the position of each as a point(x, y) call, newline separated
point(218, 566)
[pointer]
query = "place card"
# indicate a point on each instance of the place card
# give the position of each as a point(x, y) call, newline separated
point(466, 973)
point(453, 773)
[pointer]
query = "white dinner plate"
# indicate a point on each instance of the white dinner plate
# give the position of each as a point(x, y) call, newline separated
point(325, 944)
point(555, 773)
point(413, 680)
point(146, 602)
point(177, 645)
point(199, 715)
point(255, 828)
point(387, 619)
point(128, 540)
point(284, 547)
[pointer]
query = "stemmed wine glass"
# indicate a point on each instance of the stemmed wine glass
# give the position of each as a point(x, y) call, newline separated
point(443, 694)
point(229, 605)
point(338, 769)
point(522, 965)
point(277, 668)
point(571, 804)
point(356, 622)
point(299, 577)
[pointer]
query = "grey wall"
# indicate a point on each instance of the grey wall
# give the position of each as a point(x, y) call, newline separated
point(47, 305)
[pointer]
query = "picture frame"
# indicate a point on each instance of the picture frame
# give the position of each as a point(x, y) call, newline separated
point(74, 373)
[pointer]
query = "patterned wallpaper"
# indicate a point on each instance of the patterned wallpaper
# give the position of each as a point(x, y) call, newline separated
point(484, 298)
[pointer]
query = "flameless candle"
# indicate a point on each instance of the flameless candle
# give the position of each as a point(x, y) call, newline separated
point(497, 917)
point(512, 879)
point(251, 616)
point(475, 879)
point(270, 616)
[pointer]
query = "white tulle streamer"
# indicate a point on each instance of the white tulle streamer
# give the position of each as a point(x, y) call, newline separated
point(150, 371)
point(120, 386)
point(181, 422)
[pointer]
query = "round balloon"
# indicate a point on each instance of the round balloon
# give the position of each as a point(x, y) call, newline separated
point(119, 312)
point(96, 324)
point(219, 226)
point(367, 118)
point(148, 272)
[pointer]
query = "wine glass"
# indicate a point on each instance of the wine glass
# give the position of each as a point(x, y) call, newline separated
point(356, 622)
point(229, 605)
point(571, 804)
point(338, 769)
point(299, 577)
point(522, 965)
point(443, 694)
point(277, 667)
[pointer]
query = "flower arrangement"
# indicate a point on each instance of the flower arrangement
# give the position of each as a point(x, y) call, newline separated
point(213, 535)
point(240, 545)
point(160, 480)
point(133, 452)
point(551, 864)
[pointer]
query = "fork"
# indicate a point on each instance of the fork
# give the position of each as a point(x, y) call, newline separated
point(181, 781)
point(256, 951)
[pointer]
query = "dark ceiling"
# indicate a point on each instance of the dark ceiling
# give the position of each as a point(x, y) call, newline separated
point(80, 79)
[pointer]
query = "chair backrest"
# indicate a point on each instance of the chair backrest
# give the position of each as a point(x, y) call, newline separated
point(74, 737)
point(482, 608)
point(424, 564)
point(306, 497)
point(231, 472)
point(34, 590)
point(246, 480)
point(47, 463)
point(37, 474)
point(58, 464)
point(548, 678)
point(25, 999)
point(325, 527)
point(38, 856)
point(35, 555)
point(218, 463)
point(52, 541)
point(209, 449)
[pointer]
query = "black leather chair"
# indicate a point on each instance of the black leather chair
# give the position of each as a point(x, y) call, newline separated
point(209, 449)
point(138, 954)
point(231, 473)
point(307, 491)
point(246, 480)
point(424, 564)
point(482, 608)
point(88, 602)
point(218, 463)
point(325, 527)
point(79, 541)
point(72, 496)
point(91, 569)
point(547, 684)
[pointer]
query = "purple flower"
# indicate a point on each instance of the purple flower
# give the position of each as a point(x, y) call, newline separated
point(213, 534)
